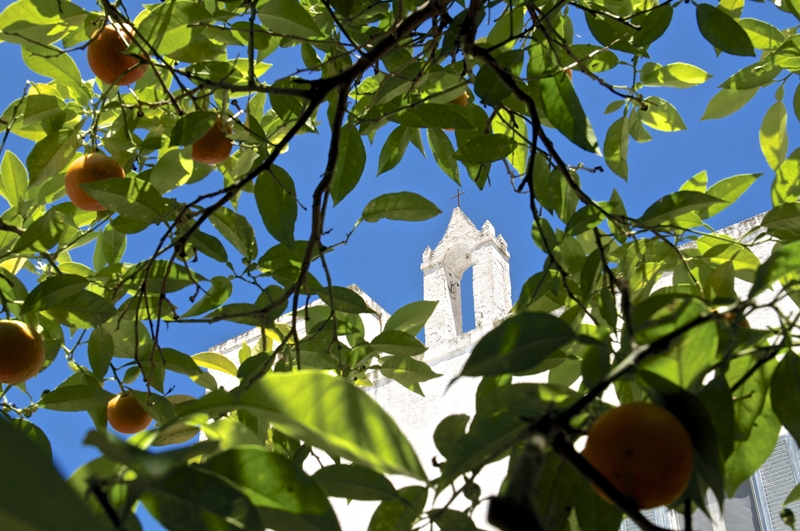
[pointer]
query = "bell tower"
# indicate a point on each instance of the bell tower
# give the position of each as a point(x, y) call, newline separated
point(464, 246)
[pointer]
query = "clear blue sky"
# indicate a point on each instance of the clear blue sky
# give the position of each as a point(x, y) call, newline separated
point(383, 258)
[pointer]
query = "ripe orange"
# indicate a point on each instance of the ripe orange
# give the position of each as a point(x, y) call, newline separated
point(462, 100)
point(644, 451)
point(21, 352)
point(213, 147)
point(126, 415)
point(731, 318)
point(107, 59)
point(89, 169)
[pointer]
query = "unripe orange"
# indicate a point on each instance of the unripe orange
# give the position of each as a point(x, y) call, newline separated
point(89, 169)
point(126, 415)
point(21, 352)
point(107, 59)
point(644, 451)
point(213, 147)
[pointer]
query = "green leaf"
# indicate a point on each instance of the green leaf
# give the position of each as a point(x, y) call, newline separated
point(753, 76)
point(50, 292)
point(786, 186)
point(216, 362)
point(290, 17)
point(661, 115)
point(407, 371)
point(783, 260)
point(485, 148)
point(209, 246)
point(101, 350)
point(563, 108)
point(403, 206)
point(270, 480)
point(722, 31)
point(698, 183)
point(519, 344)
point(450, 520)
point(443, 153)
point(237, 230)
point(489, 87)
point(785, 393)
point(83, 310)
point(726, 102)
point(748, 455)
point(43, 234)
point(394, 148)
point(172, 360)
point(131, 197)
point(173, 168)
point(783, 221)
point(354, 483)
point(344, 300)
point(349, 164)
point(398, 515)
point(595, 513)
point(219, 292)
point(615, 147)
point(159, 275)
point(76, 398)
point(398, 343)
point(35, 478)
point(58, 66)
point(443, 116)
point(728, 190)
point(763, 35)
point(556, 491)
point(14, 181)
point(673, 205)
point(676, 75)
point(195, 498)
point(35, 434)
point(52, 154)
point(772, 136)
point(411, 318)
point(357, 429)
point(277, 202)
point(191, 128)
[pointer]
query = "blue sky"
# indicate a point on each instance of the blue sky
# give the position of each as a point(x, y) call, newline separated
point(383, 258)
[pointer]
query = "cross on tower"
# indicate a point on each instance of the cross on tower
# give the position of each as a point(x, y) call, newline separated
point(457, 197)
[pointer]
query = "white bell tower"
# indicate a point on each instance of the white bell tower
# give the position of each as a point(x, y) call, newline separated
point(464, 246)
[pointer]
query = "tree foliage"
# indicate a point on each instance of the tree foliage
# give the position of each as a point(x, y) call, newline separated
point(647, 305)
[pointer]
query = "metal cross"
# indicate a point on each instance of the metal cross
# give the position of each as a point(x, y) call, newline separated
point(457, 197)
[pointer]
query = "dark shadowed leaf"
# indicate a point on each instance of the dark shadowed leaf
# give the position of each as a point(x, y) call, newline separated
point(277, 202)
point(403, 206)
point(722, 31)
point(354, 483)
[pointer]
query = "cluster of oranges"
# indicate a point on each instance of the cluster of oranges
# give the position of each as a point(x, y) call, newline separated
point(109, 62)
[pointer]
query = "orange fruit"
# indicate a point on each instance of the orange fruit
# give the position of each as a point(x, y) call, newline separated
point(213, 147)
point(462, 100)
point(89, 169)
point(21, 352)
point(126, 415)
point(731, 318)
point(644, 451)
point(107, 58)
